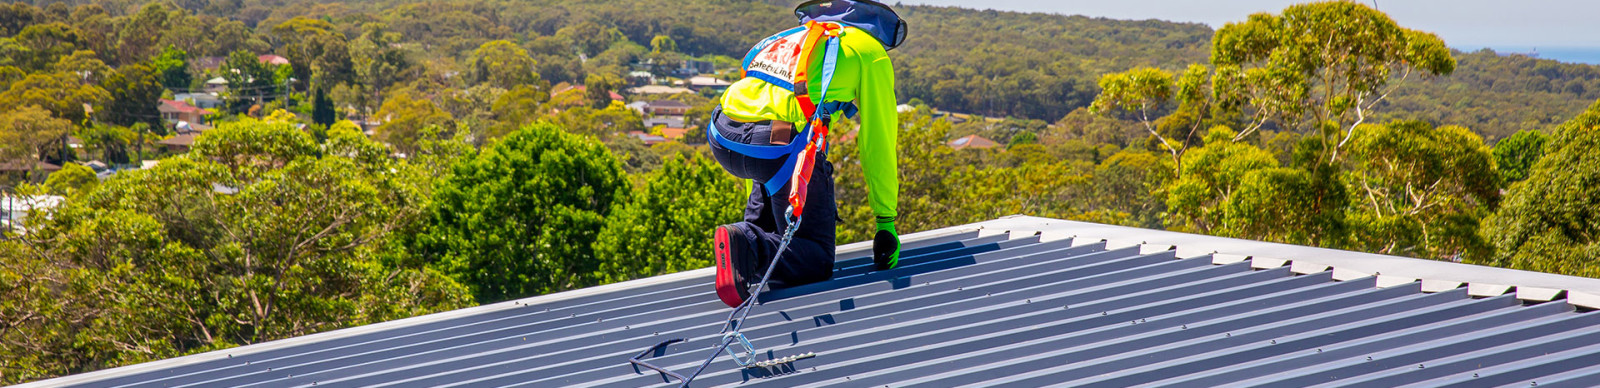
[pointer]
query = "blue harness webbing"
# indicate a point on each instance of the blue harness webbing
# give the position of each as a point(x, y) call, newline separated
point(791, 151)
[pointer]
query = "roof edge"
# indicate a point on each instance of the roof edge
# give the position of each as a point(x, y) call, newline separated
point(1435, 275)
point(92, 376)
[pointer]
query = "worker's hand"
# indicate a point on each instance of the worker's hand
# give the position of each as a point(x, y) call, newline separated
point(886, 246)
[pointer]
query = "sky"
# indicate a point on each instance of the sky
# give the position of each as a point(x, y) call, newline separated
point(1558, 28)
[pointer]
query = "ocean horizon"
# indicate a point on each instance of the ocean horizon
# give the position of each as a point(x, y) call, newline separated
point(1587, 55)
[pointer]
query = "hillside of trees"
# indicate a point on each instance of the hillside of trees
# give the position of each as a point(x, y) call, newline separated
point(409, 156)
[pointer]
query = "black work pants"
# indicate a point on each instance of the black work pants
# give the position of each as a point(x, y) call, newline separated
point(809, 257)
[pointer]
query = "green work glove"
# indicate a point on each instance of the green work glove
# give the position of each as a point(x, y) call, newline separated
point(886, 246)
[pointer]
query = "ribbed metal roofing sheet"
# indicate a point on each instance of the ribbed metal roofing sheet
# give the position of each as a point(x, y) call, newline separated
point(963, 309)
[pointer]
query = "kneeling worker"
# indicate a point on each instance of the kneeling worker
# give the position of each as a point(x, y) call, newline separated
point(766, 121)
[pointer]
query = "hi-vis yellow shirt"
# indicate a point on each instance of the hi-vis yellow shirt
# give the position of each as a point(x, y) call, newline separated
point(862, 74)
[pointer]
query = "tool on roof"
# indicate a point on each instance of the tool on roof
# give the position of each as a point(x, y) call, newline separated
point(816, 142)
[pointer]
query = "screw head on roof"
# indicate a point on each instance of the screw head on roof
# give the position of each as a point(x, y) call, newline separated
point(1227, 334)
point(1369, 358)
point(1028, 301)
point(1274, 342)
point(1474, 375)
point(1184, 327)
point(1419, 366)
point(1319, 350)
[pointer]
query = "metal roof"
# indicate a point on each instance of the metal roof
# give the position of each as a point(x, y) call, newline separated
point(1020, 301)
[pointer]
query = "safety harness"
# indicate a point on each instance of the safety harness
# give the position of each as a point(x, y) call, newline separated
point(798, 153)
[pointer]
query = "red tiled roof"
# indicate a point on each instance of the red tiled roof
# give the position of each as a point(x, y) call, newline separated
point(184, 107)
point(272, 59)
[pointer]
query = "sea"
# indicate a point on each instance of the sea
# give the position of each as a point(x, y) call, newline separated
point(1589, 55)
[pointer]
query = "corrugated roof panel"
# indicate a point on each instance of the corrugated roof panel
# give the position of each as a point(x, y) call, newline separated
point(963, 309)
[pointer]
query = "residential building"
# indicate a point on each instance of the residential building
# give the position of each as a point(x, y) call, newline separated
point(708, 82)
point(658, 89)
point(174, 112)
point(200, 100)
point(667, 108)
point(272, 59)
point(216, 85)
point(973, 141)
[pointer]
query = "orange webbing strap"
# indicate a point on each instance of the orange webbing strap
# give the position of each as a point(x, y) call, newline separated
point(815, 32)
point(819, 127)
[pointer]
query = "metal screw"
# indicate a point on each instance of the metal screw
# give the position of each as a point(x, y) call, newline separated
point(1319, 350)
point(1369, 358)
point(1184, 327)
point(1028, 301)
point(1227, 334)
point(1274, 342)
point(1419, 366)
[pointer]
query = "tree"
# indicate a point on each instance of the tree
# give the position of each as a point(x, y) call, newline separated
point(1319, 64)
point(173, 66)
point(250, 82)
point(40, 45)
point(1549, 222)
point(519, 219)
point(63, 94)
point(141, 35)
point(1198, 198)
point(29, 133)
point(160, 263)
point(1515, 155)
point(663, 44)
point(317, 52)
point(71, 181)
point(675, 211)
point(503, 64)
point(1419, 191)
point(322, 112)
point(405, 116)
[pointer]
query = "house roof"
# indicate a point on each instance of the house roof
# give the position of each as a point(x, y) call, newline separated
point(272, 59)
point(1020, 300)
point(973, 141)
point(658, 89)
point(180, 106)
point(185, 140)
point(668, 104)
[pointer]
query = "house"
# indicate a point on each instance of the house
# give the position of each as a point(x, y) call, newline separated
point(638, 106)
point(272, 59)
point(708, 82)
point(179, 143)
point(178, 111)
point(21, 169)
point(1016, 301)
point(673, 133)
point(641, 77)
point(658, 89)
point(200, 100)
point(14, 209)
point(648, 139)
point(665, 121)
point(972, 141)
point(216, 85)
point(667, 108)
point(692, 67)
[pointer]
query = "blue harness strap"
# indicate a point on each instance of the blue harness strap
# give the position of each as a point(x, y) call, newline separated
point(790, 152)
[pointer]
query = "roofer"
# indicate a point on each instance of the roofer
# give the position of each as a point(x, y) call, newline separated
point(766, 121)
